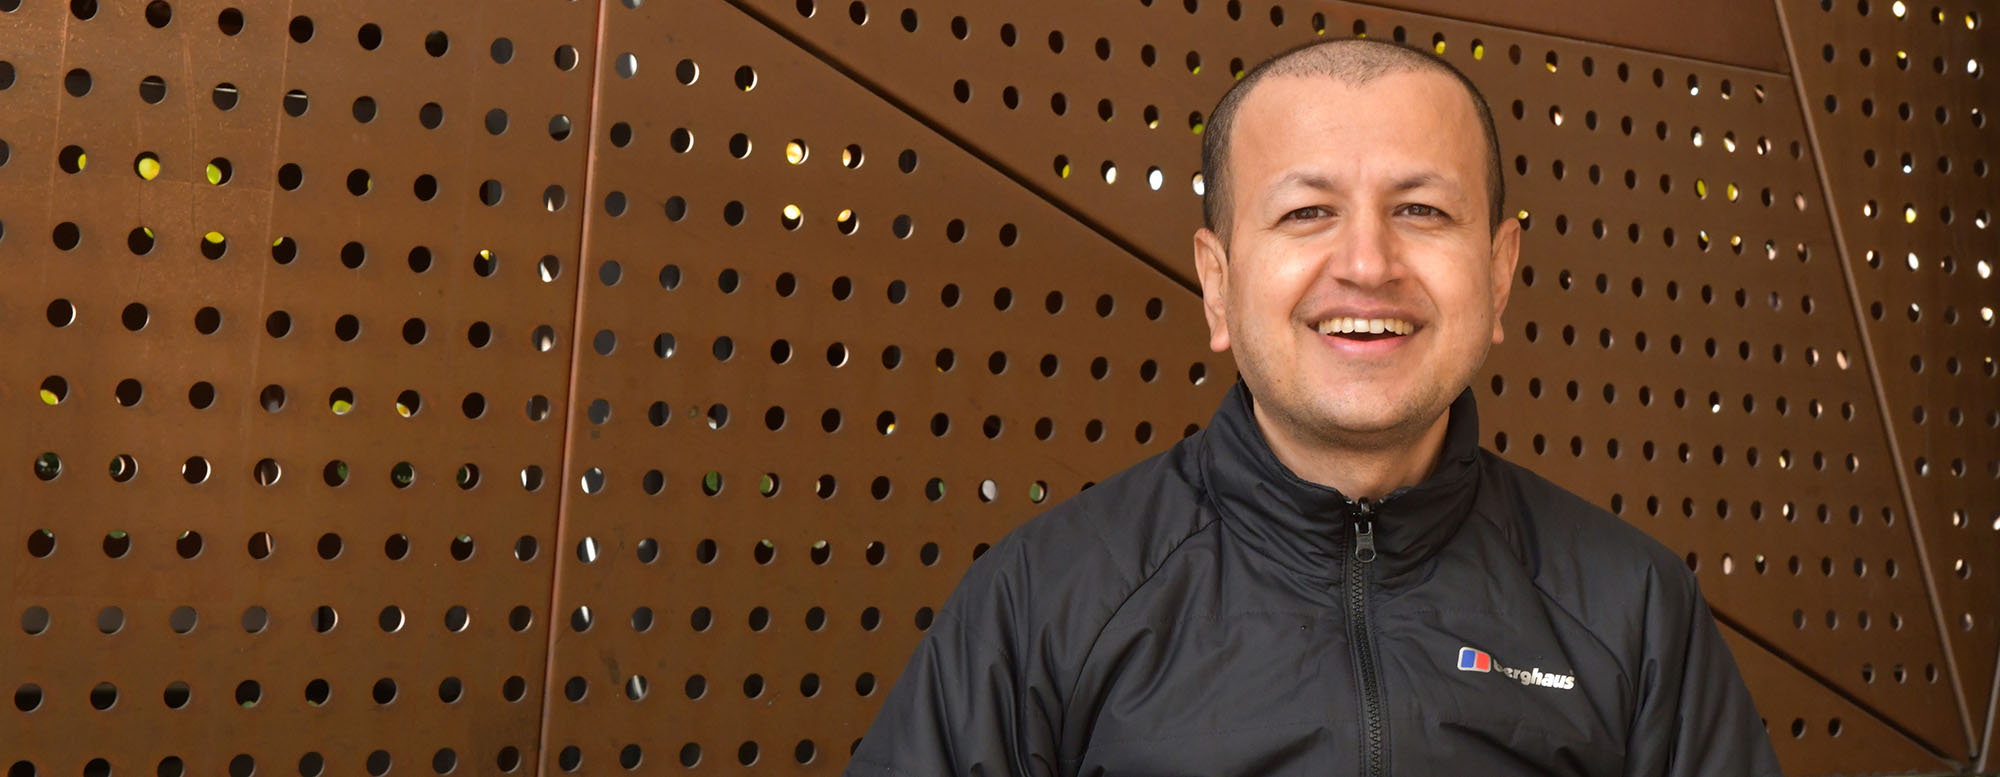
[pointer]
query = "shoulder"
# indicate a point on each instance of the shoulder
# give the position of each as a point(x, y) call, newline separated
point(1065, 571)
point(1604, 571)
point(1108, 538)
point(1566, 533)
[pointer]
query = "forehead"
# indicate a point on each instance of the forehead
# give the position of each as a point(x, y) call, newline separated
point(1388, 125)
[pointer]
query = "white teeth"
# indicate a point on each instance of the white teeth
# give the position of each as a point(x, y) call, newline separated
point(1377, 326)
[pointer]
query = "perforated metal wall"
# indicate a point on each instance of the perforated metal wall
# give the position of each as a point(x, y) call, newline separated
point(547, 386)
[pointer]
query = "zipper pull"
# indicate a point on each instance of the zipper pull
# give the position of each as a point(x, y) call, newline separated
point(1364, 531)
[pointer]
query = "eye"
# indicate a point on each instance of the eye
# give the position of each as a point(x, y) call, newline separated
point(1308, 212)
point(1422, 210)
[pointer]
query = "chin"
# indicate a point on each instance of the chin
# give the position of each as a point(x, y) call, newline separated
point(1355, 419)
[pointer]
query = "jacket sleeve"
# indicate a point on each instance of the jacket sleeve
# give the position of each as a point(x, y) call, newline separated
point(980, 696)
point(1695, 716)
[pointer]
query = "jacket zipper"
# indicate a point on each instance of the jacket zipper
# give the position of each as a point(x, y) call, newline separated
point(1373, 732)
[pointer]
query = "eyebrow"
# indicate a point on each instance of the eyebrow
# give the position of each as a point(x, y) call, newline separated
point(1320, 182)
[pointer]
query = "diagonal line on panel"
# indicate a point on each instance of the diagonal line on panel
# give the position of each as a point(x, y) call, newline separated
point(1871, 363)
point(1983, 746)
point(1560, 36)
point(569, 400)
point(1156, 263)
point(1832, 687)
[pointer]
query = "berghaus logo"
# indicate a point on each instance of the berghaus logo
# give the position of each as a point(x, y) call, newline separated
point(1475, 660)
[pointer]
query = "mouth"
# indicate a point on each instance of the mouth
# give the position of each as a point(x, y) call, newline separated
point(1365, 329)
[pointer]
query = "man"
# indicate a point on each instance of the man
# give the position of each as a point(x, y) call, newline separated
point(1332, 577)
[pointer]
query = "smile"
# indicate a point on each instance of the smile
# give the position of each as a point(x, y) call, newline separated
point(1394, 327)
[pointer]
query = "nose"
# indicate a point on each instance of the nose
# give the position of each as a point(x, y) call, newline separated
point(1365, 255)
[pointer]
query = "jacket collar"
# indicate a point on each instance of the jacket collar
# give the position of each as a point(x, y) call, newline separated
point(1309, 527)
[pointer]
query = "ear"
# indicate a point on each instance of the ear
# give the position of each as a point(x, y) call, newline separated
point(1506, 253)
point(1211, 263)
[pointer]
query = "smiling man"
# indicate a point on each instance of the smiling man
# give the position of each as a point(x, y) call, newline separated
point(1332, 577)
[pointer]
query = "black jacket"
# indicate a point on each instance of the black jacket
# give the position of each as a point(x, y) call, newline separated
point(1207, 612)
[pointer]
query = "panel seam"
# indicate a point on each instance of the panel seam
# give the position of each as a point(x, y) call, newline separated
point(1573, 39)
point(1870, 363)
point(1733, 625)
point(570, 399)
point(880, 92)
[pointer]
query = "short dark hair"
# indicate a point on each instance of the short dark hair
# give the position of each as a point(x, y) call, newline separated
point(1356, 61)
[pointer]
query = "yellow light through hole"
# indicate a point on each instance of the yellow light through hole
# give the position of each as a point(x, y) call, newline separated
point(214, 237)
point(1985, 314)
point(1729, 143)
point(403, 410)
point(847, 157)
point(149, 167)
point(342, 406)
point(1064, 171)
point(1985, 269)
point(1733, 192)
point(795, 152)
point(82, 161)
point(1700, 189)
point(1898, 9)
point(1478, 51)
point(1909, 214)
point(1523, 215)
point(844, 216)
point(214, 174)
point(792, 212)
point(1439, 48)
point(49, 397)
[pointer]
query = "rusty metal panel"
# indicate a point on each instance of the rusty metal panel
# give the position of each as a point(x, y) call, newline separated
point(1719, 31)
point(188, 591)
point(1825, 734)
point(1680, 353)
point(791, 430)
point(1899, 102)
point(1679, 348)
point(833, 356)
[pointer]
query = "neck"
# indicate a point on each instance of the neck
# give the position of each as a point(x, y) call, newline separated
point(1356, 471)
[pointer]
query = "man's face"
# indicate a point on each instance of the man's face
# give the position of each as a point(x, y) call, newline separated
point(1361, 287)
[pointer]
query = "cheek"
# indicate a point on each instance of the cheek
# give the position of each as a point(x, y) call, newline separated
point(1266, 292)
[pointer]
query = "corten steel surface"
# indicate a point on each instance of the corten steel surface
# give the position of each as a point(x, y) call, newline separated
point(814, 419)
point(1730, 33)
point(208, 387)
point(1680, 351)
point(789, 431)
point(1900, 104)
